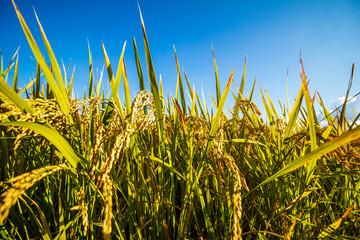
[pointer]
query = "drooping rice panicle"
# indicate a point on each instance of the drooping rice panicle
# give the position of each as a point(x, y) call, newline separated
point(22, 183)
point(107, 193)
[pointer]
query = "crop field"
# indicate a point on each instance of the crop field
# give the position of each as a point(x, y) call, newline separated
point(157, 166)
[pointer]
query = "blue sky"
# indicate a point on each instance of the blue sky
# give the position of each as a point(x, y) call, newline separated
point(270, 33)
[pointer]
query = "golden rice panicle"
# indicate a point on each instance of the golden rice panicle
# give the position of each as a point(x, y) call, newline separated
point(83, 210)
point(245, 105)
point(121, 141)
point(22, 183)
point(116, 148)
point(236, 230)
point(99, 139)
point(218, 153)
point(23, 133)
point(236, 197)
point(107, 193)
point(137, 122)
point(138, 119)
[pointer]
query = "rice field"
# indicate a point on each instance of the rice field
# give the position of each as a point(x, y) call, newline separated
point(108, 166)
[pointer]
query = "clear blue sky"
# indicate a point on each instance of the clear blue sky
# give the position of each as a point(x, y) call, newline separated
point(271, 33)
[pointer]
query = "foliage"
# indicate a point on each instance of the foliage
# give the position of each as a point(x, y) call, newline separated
point(166, 168)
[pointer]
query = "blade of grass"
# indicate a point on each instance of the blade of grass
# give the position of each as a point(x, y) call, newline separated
point(335, 225)
point(65, 75)
point(180, 83)
point(205, 106)
point(138, 67)
point(41, 223)
point(5, 73)
point(10, 65)
point(54, 64)
point(294, 114)
point(315, 155)
point(99, 84)
point(168, 166)
point(153, 83)
point(58, 93)
point(240, 93)
point(16, 78)
point(273, 110)
point(71, 82)
point(219, 112)
point(252, 89)
point(14, 97)
point(343, 110)
point(267, 109)
point(191, 92)
point(242, 85)
point(244, 141)
point(218, 93)
point(44, 225)
point(38, 81)
point(161, 90)
point(27, 87)
point(310, 120)
point(53, 136)
point(114, 85)
point(327, 114)
point(91, 74)
point(126, 88)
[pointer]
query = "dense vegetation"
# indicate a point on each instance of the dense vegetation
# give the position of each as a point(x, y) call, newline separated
point(158, 167)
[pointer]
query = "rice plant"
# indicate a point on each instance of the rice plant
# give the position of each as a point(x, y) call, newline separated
point(161, 167)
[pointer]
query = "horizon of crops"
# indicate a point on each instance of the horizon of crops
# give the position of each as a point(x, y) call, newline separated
point(159, 166)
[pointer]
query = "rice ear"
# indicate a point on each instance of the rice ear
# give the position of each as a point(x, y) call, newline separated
point(22, 183)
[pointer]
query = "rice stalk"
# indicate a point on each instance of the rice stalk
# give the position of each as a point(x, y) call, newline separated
point(107, 193)
point(154, 166)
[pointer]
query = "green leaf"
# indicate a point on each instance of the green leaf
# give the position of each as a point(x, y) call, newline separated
point(71, 83)
point(53, 61)
point(242, 85)
point(43, 225)
point(267, 108)
point(14, 97)
point(342, 118)
point(244, 141)
point(310, 121)
point(240, 93)
point(91, 74)
point(114, 85)
point(126, 89)
point(335, 225)
point(26, 87)
point(138, 67)
point(218, 93)
point(180, 83)
point(38, 82)
point(53, 136)
point(316, 154)
point(168, 166)
point(60, 98)
point(294, 114)
point(16, 78)
point(219, 112)
point(153, 83)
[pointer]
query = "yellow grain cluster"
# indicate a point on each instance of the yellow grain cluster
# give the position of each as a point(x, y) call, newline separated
point(20, 184)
